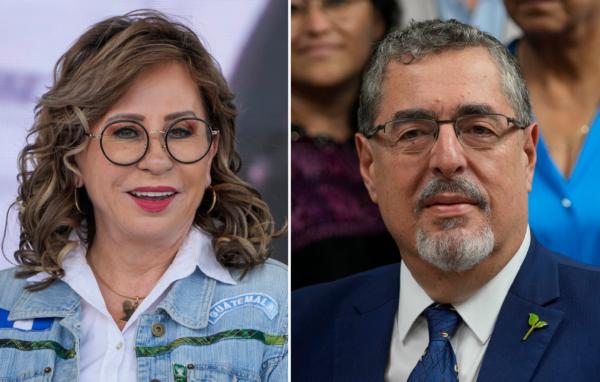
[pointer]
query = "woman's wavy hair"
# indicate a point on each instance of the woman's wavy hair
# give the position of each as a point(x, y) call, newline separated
point(88, 79)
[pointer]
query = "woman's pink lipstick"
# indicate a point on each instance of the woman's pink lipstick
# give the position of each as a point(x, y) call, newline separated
point(153, 199)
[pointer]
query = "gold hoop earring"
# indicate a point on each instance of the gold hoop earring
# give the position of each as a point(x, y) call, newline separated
point(213, 201)
point(77, 202)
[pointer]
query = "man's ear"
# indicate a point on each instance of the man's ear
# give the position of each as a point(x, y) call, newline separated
point(365, 160)
point(529, 148)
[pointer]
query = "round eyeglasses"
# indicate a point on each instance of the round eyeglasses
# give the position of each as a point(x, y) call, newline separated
point(417, 135)
point(125, 142)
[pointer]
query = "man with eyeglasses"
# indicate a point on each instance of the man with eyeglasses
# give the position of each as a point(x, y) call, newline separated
point(447, 151)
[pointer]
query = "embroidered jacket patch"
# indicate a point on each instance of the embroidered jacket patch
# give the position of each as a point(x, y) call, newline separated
point(26, 325)
point(261, 301)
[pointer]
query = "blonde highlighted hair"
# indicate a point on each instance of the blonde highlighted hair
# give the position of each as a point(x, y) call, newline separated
point(90, 77)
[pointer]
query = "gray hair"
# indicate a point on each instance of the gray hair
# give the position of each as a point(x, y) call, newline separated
point(454, 251)
point(423, 38)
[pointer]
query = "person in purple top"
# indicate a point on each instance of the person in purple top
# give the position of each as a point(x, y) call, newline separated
point(336, 229)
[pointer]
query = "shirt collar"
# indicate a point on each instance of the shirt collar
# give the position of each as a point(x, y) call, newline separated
point(196, 249)
point(198, 245)
point(478, 312)
point(413, 301)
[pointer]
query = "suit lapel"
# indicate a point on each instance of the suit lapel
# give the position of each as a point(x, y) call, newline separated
point(362, 336)
point(508, 357)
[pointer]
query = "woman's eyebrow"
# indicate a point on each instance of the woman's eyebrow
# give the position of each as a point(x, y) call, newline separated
point(180, 114)
point(127, 116)
point(140, 118)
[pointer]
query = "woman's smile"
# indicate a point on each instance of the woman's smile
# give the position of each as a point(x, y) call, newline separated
point(153, 199)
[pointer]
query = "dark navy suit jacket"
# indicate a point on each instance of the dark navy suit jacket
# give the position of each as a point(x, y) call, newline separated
point(341, 331)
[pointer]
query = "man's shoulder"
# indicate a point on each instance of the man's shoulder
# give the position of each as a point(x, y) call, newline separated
point(329, 320)
point(570, 270)
point(561, 292)
point(373, 286)
point(581, 278)
point(545, 269)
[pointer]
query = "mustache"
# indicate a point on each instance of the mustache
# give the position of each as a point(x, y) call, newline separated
point(456, 186)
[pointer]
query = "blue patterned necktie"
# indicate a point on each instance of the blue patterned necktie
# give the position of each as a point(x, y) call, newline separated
point(438, 364)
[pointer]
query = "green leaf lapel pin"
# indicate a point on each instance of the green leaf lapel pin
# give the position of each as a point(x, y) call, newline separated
point(534, 323)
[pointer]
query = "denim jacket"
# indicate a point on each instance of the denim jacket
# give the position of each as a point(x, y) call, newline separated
point(203, 330)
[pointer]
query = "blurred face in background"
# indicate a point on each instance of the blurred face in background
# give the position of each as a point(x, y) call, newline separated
point(332, 40)
point(552, 16)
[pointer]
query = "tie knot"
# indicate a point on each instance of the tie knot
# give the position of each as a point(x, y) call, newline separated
point(442, 321)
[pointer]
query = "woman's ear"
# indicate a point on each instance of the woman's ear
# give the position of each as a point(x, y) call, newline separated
point(212, 153)
point(73, 166)
point(78, 181)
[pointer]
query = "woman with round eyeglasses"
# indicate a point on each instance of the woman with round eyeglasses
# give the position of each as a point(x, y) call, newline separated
point(336, 228)
point(125, 141)
point(142, 255)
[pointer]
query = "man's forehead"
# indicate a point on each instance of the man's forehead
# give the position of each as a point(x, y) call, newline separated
point(442, 82)
point(473, 55)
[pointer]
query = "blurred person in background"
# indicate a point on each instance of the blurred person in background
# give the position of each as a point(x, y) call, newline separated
point(560, 58)
point(336, 228)
point(488, 15)
point(142, 255)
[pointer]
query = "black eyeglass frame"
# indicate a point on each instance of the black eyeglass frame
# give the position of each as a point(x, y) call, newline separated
point(213, 133)
point(509, 121)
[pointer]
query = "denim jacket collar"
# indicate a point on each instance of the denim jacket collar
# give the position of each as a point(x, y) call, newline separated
point(187, 302)
point(57, 300)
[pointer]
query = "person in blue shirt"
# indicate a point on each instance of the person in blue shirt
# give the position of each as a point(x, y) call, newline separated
point(559, 56)
point(143, 256)
point(488, 15)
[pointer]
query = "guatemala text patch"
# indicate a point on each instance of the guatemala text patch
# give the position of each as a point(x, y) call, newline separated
point(261, 301)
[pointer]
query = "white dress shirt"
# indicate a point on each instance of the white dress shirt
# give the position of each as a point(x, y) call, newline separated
point(479, 313)
point(107, 353)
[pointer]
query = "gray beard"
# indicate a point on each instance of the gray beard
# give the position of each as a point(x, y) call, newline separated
point(453, 250)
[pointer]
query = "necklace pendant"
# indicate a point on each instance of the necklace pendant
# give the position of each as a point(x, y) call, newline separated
point(128, 308)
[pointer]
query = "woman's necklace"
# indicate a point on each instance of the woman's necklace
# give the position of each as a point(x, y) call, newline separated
point(130, 304)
